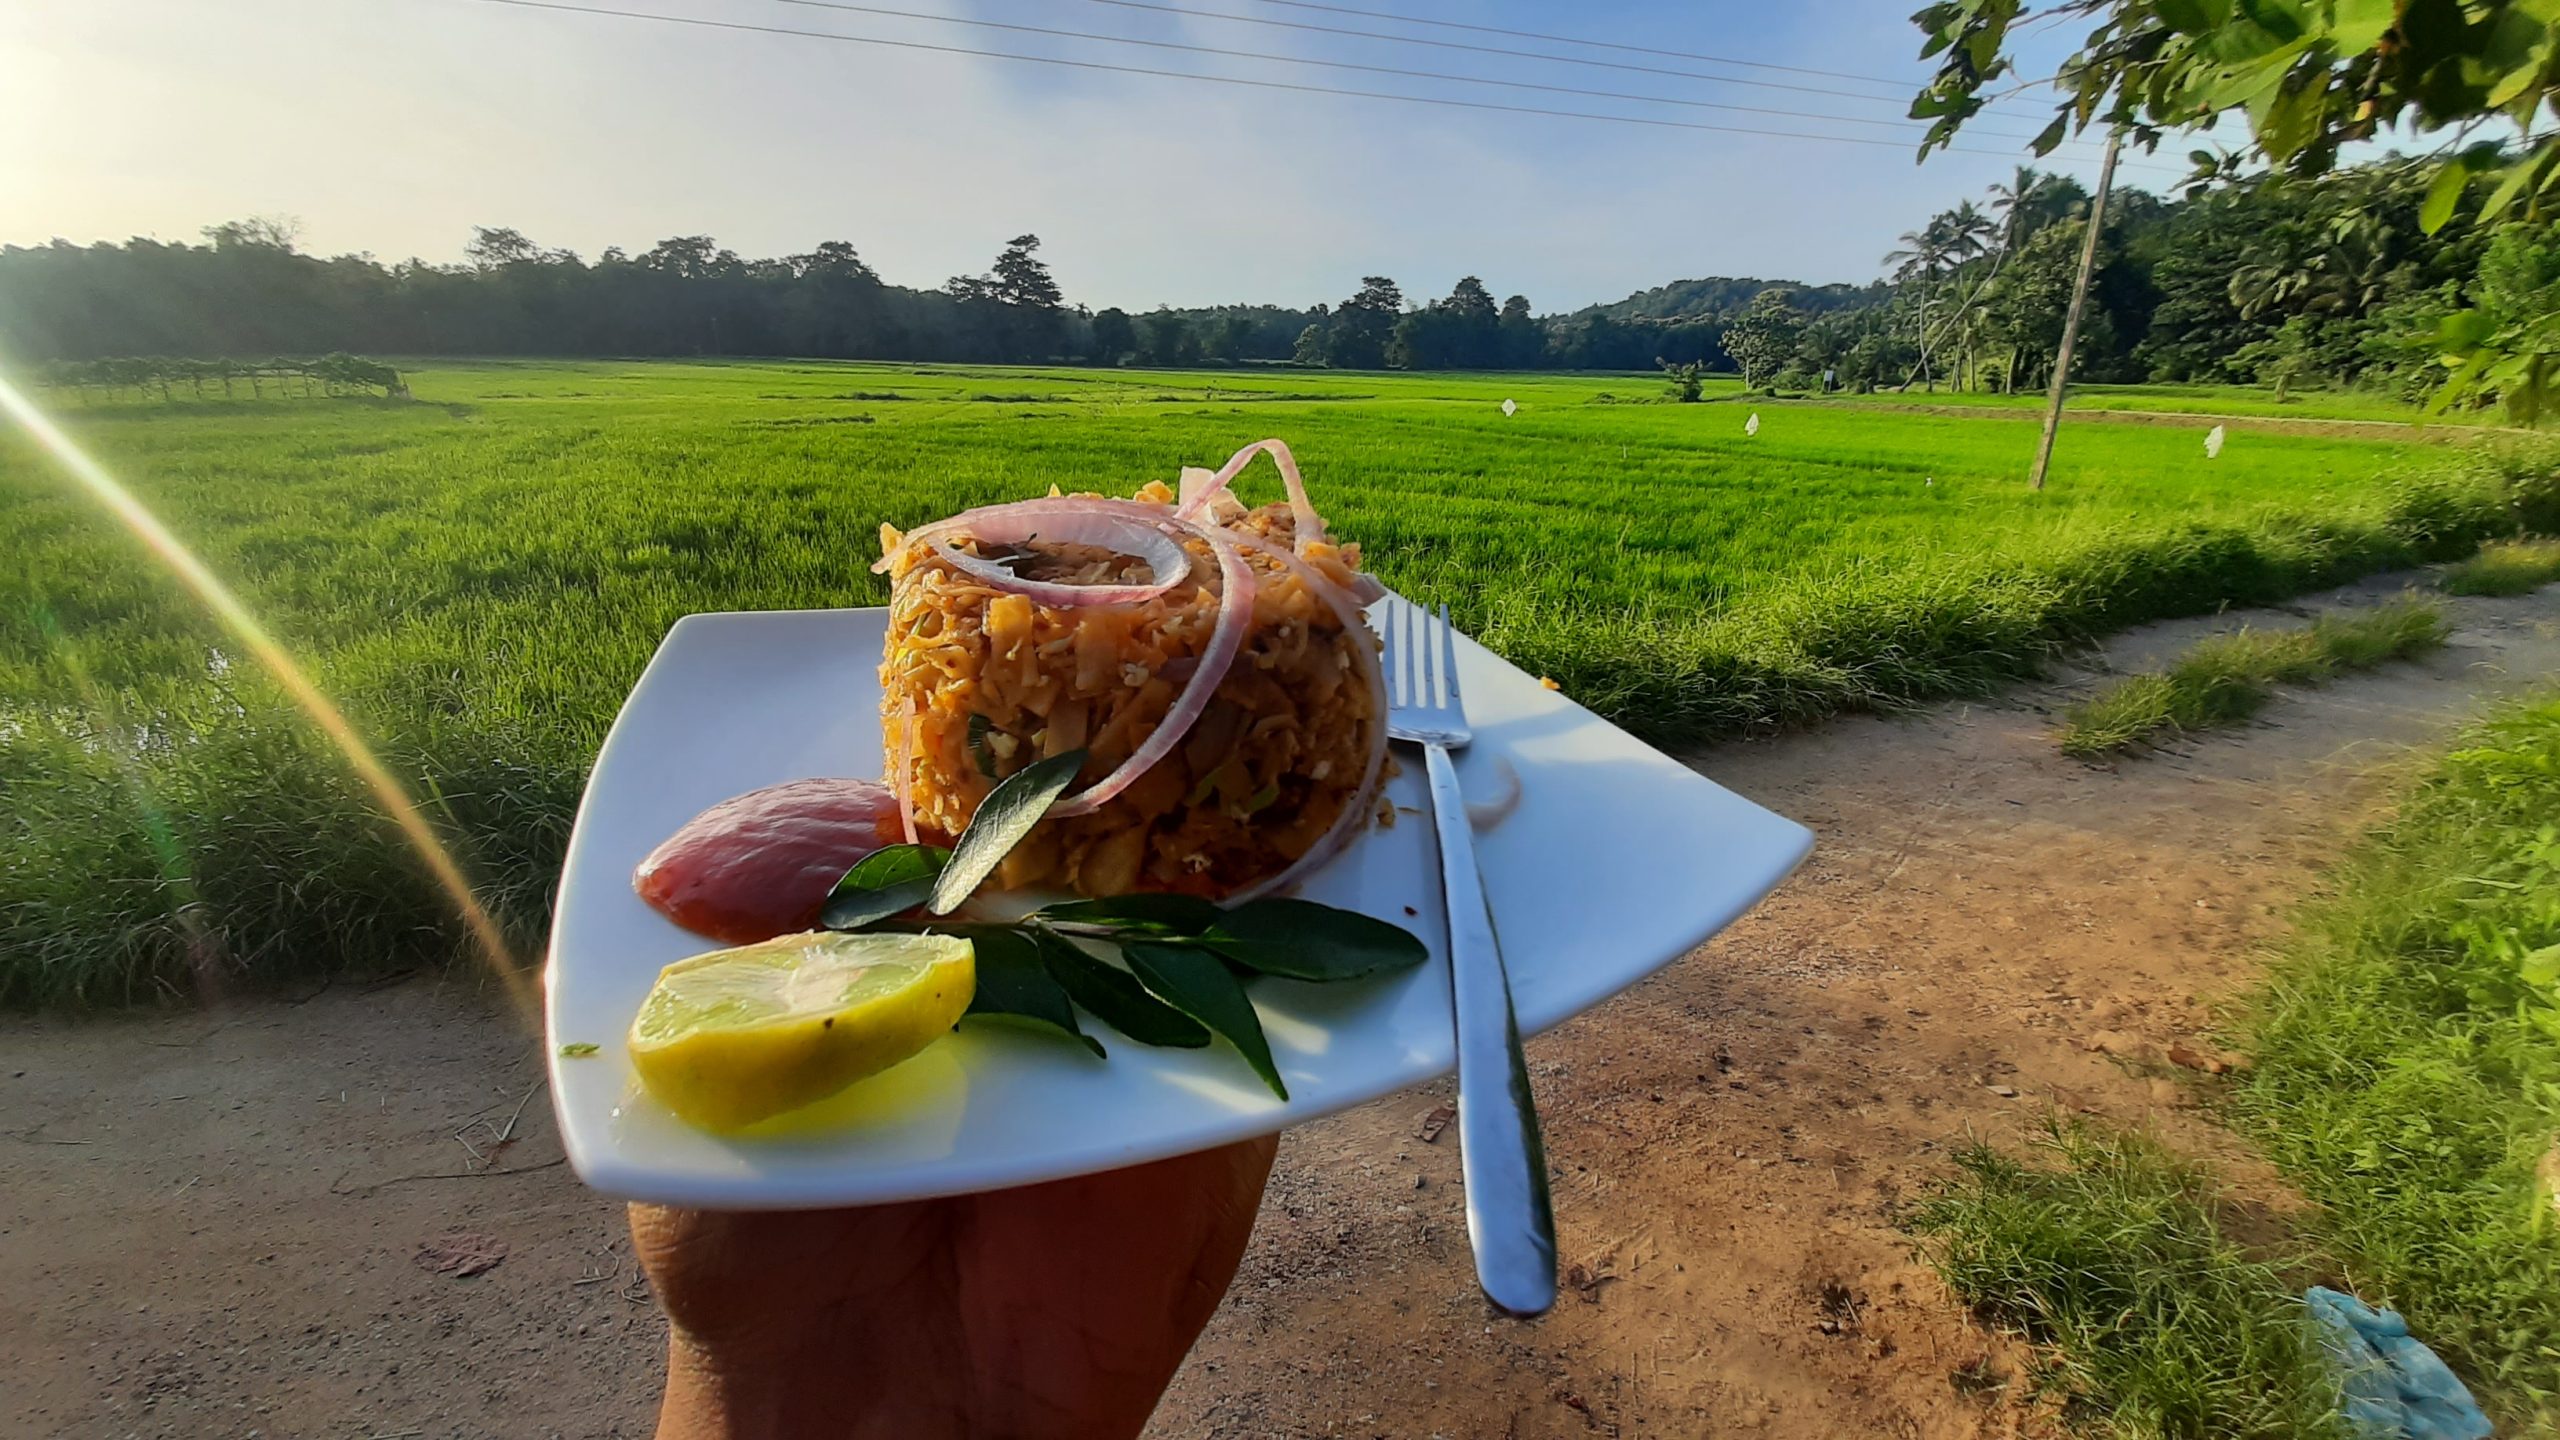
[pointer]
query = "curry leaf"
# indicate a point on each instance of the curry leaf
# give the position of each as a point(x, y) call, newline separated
point(1114, 995)
point(1164, 914)
point(979, 726)
point(1003, 818)
point(1014, 985)
point(1303, 940)
point(883, 883)
point(1197, 983)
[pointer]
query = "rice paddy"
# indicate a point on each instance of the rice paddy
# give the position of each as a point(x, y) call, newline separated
point(479, 573)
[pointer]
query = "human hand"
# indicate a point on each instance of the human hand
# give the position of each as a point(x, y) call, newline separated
point(1057, 1310)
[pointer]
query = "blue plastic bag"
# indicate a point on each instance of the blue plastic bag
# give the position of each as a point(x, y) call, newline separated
point(2394, 1386)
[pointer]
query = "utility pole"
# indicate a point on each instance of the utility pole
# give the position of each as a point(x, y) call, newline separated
point(2079, 302)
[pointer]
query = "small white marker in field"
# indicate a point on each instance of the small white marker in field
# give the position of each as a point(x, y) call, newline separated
point(1752, 425)
point(2213, 443)
point(1929, 484)
point(1510, 407)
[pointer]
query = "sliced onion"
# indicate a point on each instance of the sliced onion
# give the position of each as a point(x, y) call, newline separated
point(1310, 525)
point(1059, 506)
point(1235, 613)
point(902, 767)
point(1105, 531)
point(1355, 815)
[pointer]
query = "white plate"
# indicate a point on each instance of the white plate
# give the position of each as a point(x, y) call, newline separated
point(1617, 861)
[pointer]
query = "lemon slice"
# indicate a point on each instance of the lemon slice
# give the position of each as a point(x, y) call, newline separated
point(737, 1036)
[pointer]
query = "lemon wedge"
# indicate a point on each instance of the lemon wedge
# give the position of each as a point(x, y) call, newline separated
point(737, 1036)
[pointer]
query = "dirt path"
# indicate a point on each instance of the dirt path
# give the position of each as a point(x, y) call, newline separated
point(207, 1226)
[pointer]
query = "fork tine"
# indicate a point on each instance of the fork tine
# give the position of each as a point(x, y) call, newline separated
point(1393, 662)
point(1408, 677)
point(1449, 660)
point(1422, 659)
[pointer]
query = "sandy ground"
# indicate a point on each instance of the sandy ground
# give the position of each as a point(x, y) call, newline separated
point(210, 1223)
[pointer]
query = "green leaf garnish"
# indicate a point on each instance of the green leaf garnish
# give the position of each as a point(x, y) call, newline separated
point(1014, 985)
point(1197, 983)
point(979, 726)
point(886, 882)
point(1188, 958)
point(578, 1050)
point(1114, 995)
point(1003, 818)
point(1303, 940)
point(1155, 913)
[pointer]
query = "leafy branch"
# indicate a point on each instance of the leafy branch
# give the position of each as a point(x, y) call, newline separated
point(1184, 961)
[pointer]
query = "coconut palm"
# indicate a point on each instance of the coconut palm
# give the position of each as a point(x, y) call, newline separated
point(2030, 201)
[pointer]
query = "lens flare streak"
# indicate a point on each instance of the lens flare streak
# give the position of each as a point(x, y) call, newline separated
point(272, 656)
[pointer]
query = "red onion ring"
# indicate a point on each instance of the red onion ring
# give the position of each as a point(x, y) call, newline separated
point(1235, 612)
point(1310, 525)
point(903, 767)
point(1046, 506)
point(1170, 562)
point(1355, 815)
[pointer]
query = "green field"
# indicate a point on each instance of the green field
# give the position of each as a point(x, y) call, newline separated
point(480, 573)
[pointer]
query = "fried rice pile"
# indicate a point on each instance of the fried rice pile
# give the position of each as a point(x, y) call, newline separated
point(1254, 678)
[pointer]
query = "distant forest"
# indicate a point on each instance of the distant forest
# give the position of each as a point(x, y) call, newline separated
point(2269, 279)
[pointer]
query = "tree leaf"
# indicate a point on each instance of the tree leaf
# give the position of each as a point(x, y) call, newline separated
point(1115, 997)
point(1003, 818)
point(2444, 194)
point(2360, 25)
point(2464, 331)
point(2288, 118)
point(1303, 940)
point(1196, 983)
point(1162, 914)
point(1013, 984)
point(890, 879)
point(2188, 16)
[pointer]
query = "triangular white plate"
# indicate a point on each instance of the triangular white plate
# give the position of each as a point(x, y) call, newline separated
point(1617, 860)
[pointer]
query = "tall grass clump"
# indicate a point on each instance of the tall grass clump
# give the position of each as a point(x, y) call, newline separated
point(2110, 1253)
point(2407, 1063)
point(2225, 679)
point(2506, 567)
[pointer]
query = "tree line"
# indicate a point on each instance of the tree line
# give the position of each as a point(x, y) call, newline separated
point(2278, 279)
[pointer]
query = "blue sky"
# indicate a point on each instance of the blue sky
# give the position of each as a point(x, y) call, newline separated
point(393, 126)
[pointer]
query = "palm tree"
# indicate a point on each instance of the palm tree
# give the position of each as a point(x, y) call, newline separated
point(2025, 205)
point(1918, 259)
point(1968, 230)
point(1942, 246)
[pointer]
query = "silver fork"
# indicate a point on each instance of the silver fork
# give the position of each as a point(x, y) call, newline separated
point(1510, 1221)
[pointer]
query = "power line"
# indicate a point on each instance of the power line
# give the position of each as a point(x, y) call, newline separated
point(1904, 85)
point(1489, 50)
point(742, 26)
point(1905, 126)
point(1283, 85)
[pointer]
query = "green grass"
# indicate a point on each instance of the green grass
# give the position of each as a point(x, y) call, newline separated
point(2510, 567)
point(2404, 1076)
point(2407, 1071)
point(2223, 680)
point(479, 577)
point(2111, 1254)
